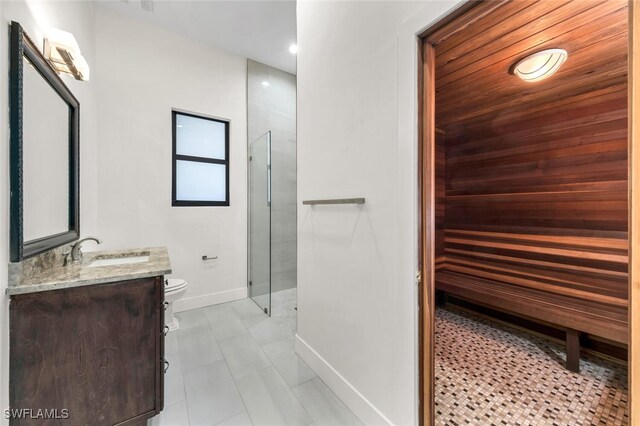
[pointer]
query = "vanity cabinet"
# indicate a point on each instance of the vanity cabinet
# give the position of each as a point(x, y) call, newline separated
point(96, 351)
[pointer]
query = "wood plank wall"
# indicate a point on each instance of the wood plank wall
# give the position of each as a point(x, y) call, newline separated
point(536, 174)
point(541, 200)
point(634, 184)
point(440, 198)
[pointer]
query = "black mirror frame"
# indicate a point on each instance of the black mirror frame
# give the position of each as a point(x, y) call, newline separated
point(21, 45)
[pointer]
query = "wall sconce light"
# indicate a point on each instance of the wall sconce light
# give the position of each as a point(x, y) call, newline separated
point(63, 53)
point(540, 65)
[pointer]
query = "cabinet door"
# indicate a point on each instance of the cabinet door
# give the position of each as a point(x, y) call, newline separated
point(95, 351)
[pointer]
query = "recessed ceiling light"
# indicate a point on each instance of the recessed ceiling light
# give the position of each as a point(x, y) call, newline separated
point(293, 48)
point(147, 5)
point(179, 126)
point(540, 65)
point(266, 83)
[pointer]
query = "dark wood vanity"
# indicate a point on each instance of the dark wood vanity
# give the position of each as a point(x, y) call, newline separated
point(96, 351)
point(87, 337)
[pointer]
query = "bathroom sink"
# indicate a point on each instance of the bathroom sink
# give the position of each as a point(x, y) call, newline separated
point(119, 259)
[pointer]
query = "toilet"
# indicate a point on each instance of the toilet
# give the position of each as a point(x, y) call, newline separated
point(174, 289)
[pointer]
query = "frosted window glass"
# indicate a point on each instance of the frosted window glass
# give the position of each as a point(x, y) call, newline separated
point(200, 137)
point(200, 181)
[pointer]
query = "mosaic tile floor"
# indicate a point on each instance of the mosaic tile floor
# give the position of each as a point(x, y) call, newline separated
point(490, 374)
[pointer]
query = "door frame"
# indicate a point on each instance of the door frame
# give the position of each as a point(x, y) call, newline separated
point(426, 203)
point(633, 81)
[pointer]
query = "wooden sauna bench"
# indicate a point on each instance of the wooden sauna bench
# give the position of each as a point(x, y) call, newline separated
point(541, 295)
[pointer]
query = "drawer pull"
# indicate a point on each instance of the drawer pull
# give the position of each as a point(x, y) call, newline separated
point(166, 365)
point(166, 305)
point(166, 330)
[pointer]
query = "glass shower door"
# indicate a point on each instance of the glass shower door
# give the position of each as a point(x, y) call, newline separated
point(260, 221)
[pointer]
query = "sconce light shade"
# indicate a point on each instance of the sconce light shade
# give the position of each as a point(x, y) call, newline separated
point(540, 65)
point(83, 68)
point(63, 52)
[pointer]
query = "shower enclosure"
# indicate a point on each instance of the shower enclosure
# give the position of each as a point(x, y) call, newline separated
point(260, 221)
point(272, 187)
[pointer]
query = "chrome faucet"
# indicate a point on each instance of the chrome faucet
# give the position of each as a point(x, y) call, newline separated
point(76, 253)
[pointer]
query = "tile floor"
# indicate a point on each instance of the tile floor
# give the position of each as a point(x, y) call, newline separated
point(230, 364)
point(491, 374)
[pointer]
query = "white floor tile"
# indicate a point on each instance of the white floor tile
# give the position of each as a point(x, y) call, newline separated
point(269, 400)
point(213, 355)
point(191, 319)
point(267, 331)
point(252, 320)
point(173, 381)
point(287, 324)
point(173, 415)
point(293, 370)
point(286, 345)
point(241, 419)
point(211, 394)
point(245, 308)
point(243, 355)
point(323, 405)
point(198, 346)
point(171, 343)
point(218, 312)
point(228, 326)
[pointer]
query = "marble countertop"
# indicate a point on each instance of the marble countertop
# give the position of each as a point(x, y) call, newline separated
point(57, 276)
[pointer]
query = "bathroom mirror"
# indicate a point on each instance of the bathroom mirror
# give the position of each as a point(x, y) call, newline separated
point(44, 122)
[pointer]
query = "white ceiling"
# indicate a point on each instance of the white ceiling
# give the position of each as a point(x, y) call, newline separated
point(259, 30)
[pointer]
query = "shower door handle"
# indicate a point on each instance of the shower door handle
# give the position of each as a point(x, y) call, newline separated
point(268, 184)
point(269, 168)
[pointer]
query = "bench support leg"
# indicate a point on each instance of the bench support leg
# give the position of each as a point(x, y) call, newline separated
point(441, 298)
point(573, 350)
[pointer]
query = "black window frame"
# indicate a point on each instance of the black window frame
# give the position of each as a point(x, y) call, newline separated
point(175, 157)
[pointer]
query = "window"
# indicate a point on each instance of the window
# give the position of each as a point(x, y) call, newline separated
point(200, 160)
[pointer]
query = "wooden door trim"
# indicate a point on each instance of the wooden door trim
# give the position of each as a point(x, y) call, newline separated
point(634, 208)
point(426, 226)
point(421, 378)
point(426, 205)
point(426, 175)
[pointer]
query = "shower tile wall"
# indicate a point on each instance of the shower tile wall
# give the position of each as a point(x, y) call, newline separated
point(272, 106)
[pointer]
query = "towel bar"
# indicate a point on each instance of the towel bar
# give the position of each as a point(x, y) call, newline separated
point(334, 201)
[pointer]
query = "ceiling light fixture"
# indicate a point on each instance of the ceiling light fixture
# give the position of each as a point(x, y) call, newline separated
point(266, 83)
point(293, 49)
point(540, 65)
point(63, 53)
point(147, 5)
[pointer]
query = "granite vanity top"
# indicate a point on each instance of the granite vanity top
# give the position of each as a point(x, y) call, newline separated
point(51, 273)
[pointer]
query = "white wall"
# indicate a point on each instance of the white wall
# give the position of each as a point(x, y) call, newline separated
point(356, 117)
point(357, 321)
point(142, 73)
point(36, 17)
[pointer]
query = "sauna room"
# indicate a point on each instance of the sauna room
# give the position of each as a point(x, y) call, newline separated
point(531, 213)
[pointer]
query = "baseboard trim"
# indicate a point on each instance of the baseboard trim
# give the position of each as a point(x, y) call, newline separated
point(196, 302)
point(356, 402)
